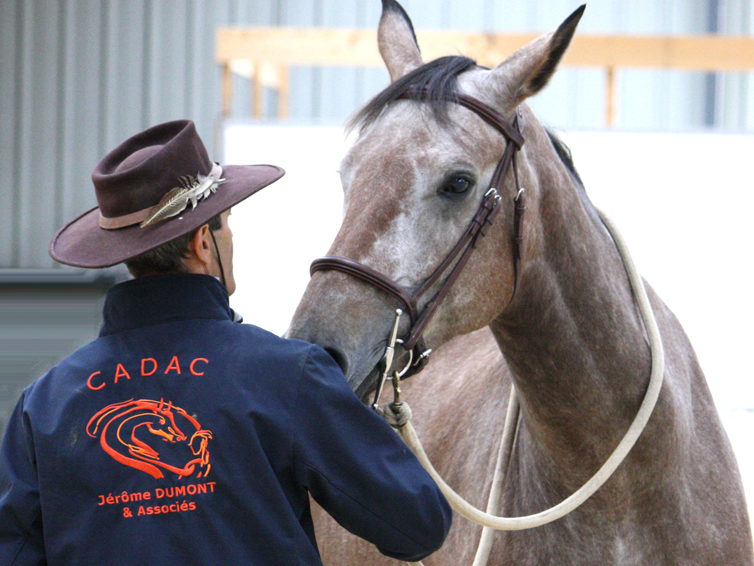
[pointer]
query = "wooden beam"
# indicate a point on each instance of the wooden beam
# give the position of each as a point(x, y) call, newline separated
point(227, 94)
point(610, 102)
point(299, 46)
point(283, 92)
point(281, 48)
point(257, 90)
point(354, 47)
point(700, 53)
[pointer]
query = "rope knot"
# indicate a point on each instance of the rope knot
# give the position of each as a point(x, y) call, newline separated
point(396, 414)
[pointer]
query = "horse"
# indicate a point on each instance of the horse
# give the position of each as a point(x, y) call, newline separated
point(542, 302)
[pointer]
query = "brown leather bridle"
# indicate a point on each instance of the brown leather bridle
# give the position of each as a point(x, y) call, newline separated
point(485, 214)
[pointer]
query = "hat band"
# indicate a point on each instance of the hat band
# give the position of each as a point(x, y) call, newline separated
point(192, 190)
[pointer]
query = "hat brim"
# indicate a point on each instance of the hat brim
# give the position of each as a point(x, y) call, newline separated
point(83, 243)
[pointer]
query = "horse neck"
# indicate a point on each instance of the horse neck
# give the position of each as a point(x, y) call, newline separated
point(571, 335)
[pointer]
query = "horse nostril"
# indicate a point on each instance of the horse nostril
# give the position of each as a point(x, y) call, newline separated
point(339, 357)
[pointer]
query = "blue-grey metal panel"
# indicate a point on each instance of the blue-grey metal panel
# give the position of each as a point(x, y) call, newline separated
point(167, 45)
point(734, 104)
point(9, 128)
point(305, 101)
point(125, 84)
point(39, 188)
point(84, 119)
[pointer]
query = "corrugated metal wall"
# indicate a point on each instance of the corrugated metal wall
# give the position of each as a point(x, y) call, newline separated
point(78, 76)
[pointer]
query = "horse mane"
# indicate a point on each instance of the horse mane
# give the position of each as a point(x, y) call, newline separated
point(438, 79)
point(564, 153)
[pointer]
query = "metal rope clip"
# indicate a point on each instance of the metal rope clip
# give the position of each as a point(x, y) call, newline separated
point(387, 359)
point(395, 405)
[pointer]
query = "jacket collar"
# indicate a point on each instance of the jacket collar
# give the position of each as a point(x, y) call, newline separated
point(161, 298)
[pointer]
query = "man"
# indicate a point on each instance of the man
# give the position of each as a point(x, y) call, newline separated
point(180, 436)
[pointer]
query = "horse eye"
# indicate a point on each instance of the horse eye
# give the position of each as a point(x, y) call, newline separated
point(457, 185)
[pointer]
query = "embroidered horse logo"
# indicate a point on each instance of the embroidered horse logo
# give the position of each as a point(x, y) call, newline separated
point(152, 436)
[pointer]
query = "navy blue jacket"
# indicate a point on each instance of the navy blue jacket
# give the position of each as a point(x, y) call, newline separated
point(181, 437)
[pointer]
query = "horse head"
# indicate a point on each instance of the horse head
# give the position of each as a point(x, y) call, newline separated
point(413, 180)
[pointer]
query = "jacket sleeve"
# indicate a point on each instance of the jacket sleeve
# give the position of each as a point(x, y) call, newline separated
point(360, 471)
point(21, 541)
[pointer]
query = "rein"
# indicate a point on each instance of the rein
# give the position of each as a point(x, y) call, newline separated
point(413, 343)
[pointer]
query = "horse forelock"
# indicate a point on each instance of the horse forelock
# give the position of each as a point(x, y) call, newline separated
point(438, 79)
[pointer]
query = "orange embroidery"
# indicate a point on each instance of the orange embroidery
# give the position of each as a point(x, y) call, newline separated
point(93, 387)
point(192, 369)
point(149, 436)
point(173, 365)
point(145, 368)
point(120, 371)
point(144, 372)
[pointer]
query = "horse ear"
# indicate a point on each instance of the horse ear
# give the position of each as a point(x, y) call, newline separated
point(528, 70)
point(397, 41)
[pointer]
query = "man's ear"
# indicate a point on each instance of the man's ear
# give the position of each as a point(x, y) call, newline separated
point(200, 246)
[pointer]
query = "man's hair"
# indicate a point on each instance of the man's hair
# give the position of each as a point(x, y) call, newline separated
point(167, 258)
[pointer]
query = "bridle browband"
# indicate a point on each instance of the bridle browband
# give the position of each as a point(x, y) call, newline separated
point(485, 214)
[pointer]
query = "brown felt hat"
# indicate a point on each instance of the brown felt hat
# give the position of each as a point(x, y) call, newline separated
point(156, 186)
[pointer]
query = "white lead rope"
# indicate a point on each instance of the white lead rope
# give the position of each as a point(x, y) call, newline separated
point(488, 519)
point(498, 480)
